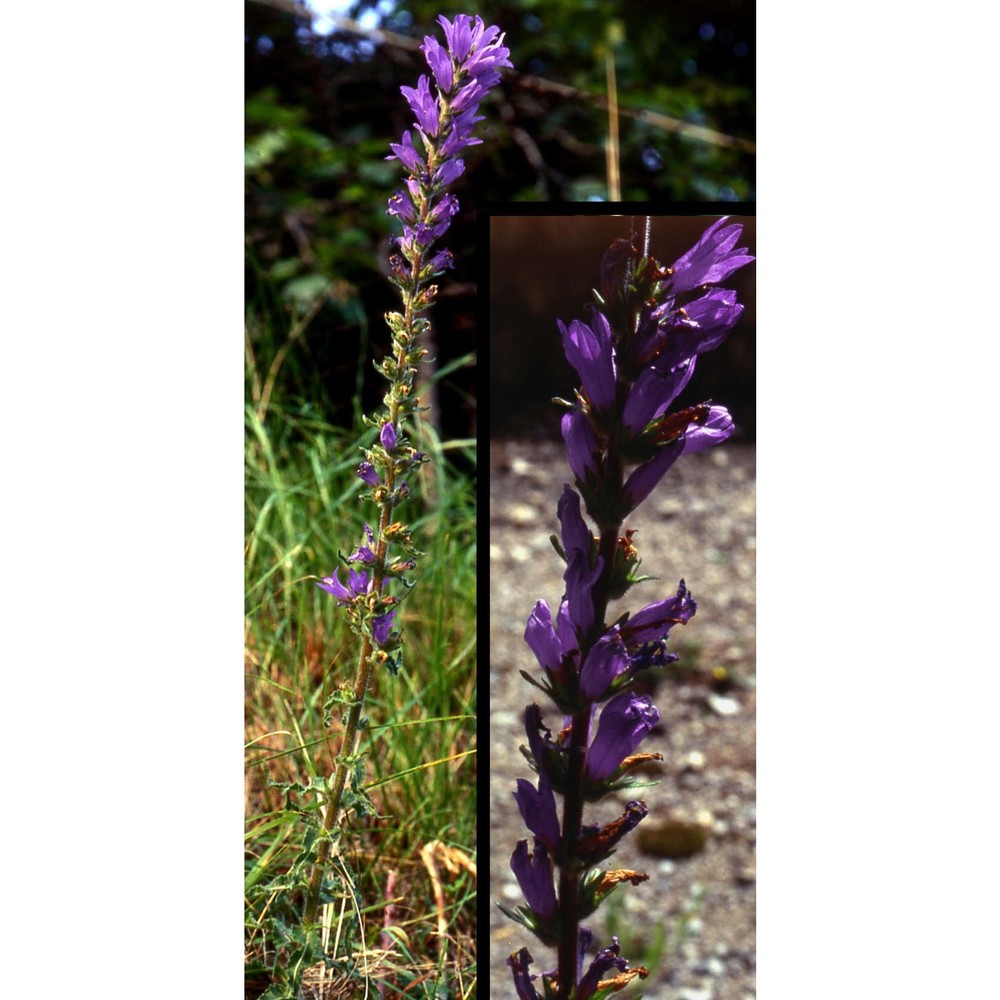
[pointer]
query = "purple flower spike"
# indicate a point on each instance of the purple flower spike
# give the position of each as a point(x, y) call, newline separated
point(538, 810)
point(624, 723)
point(633, 362)
point(388, 436)
point(534, 875)
point(591, 352)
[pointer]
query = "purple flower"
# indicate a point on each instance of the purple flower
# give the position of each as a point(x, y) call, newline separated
point(580, 576)
point(623, 725)
point(538, 809)
point(606, 661)
point(549, 646)
point(654, 390)
point(716, 428)
point(380, 627)
point(439, 61)
point(711, 259)
point(519, 963)
point(581, 444)
point(478, 47)
point(388, 436)
point(406, 153)
point(580, 580)
point(448, 172)
point(655, 620)
point(642, 481)
point(424, 105)
point(702, 326)
point(357, 584)
point(591, 351)
point(606, 960)
point(576, 536)
point(366, 471)
point(363, 553)
point(534, 875)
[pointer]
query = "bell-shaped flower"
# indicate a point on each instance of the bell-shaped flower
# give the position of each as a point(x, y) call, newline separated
point(624, 723)
point(653, 391)
point(381, 625)
point(714, 430)
point(655, 620)
point(407, 154)
point(424, 105)
point(550, 643)
point(439, 61)
point(388, 436)
point(591, 351)
point(535, 876)
point(538, 810)
point(367, 474)
point(357, 584)
point(643, 479)
point(714, 257)
point(606, 660)
point(581, 444)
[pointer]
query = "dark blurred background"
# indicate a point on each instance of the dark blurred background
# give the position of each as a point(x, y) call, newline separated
point(543, 268)
point(321, 109)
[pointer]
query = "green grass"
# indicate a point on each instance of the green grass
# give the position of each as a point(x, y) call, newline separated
point(419, 750)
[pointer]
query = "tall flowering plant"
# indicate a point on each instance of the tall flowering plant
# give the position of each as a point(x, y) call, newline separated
point(445, 106)
point(634, 357)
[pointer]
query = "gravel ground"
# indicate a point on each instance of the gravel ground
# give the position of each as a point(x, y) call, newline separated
point(699, 524)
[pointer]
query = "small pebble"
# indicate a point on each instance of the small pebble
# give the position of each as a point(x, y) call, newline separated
point(521, 513)
point(693, 994)
point(712, 966)
point(722, 705)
